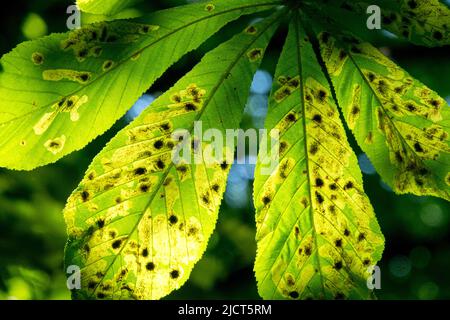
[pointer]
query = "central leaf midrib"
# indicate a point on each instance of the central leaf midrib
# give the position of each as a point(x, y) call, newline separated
point(302, 97)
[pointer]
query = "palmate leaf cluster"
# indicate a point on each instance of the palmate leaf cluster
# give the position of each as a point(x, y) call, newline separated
point(138, 222)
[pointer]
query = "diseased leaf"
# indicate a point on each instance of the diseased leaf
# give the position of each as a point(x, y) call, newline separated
point(105, 7)
point(344, 16)
point(401, 124)
point(316, 230)
point(139, 221)
point(423, 22)
point(60, 92)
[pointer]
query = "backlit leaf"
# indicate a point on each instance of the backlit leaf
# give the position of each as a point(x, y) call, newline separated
point(400, 123)
point(424, 22)
point(316, 230)
point(60, 92)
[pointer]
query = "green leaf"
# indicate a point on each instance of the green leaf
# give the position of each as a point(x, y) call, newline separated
point(138, 222)
point(422, 22)
point(60, 92)
point(316, 230)
point(400, 123)
point(105, 7)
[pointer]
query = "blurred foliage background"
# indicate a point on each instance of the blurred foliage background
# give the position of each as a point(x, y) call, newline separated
point(416, 261)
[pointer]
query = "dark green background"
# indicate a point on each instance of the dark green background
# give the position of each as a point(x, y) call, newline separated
point(415, 264)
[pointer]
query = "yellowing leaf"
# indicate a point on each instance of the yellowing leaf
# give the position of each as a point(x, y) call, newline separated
point(401, 124)
point(316, 230)
point(425, 22)
point(139, 221)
